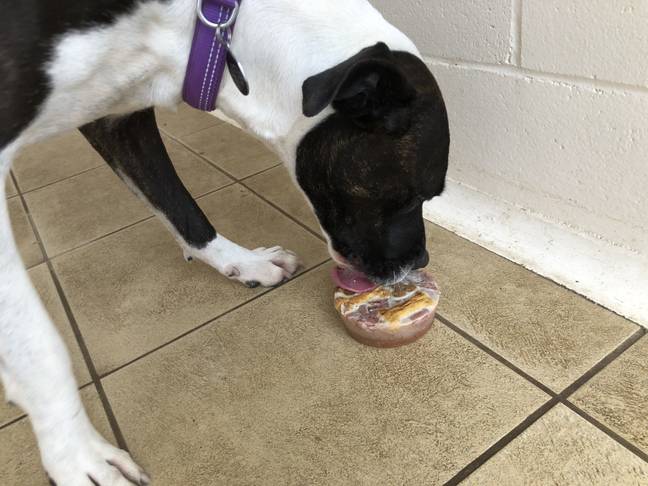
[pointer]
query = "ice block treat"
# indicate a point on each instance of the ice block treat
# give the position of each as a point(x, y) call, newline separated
point(386, 316)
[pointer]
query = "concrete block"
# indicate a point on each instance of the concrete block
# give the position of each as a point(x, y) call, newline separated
point(475, 30)
point(599, 39)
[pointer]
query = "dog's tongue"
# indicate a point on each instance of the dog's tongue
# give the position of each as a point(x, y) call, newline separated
point(352, 280)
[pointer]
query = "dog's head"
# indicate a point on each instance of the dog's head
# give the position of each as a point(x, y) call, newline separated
point(369, 166)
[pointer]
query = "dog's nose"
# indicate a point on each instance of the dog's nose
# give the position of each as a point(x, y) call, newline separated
point(422, 260)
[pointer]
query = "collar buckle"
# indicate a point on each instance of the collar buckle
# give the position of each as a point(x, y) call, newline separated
point(222, 25)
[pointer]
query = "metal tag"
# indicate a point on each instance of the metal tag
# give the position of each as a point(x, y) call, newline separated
point(237, 73)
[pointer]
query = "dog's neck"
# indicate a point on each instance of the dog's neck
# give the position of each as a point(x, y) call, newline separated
point(280, 43)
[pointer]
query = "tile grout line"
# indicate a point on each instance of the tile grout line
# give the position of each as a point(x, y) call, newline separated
point(99, 166)
point(183, 144)
point(212, 320)
point(24, 415)
point(607, 430)
point(493, 354)
point(584, 379)
point(261, 172)
point(277, 208)
point(556, 398)
point(176, 113)
point(213, 191)
point(103, 164)
point(112, 420)
point(130, 225)
point(243, 184)
point(515, 55)
point(50, 184)
point(194, 152)
point(572, 388)
point(603, 363)
point(10, 176)
point(13, 421)
point(15, 183)
point(99, 238)
point(491, 451)
point(521, 72)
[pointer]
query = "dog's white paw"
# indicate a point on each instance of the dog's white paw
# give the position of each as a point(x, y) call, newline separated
point(264, 266)
point(91, 461)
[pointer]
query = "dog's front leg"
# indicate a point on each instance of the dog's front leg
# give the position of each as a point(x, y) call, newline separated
point(133, 147)
point(37, 376)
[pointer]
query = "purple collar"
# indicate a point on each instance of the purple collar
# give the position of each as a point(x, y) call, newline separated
point(210, 54)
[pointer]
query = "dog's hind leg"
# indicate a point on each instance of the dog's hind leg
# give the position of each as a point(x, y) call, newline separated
point(133, 147)
point(36, 372)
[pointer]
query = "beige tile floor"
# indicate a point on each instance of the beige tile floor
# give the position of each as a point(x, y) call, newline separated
point(519, 382)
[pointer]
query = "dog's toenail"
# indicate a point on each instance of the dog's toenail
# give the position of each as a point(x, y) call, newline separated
point(232, 272)
point(253, 284)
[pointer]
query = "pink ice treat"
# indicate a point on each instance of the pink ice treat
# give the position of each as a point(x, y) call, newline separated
point(387, 316)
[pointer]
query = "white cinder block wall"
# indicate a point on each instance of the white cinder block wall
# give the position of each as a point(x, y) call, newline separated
point(548, 103)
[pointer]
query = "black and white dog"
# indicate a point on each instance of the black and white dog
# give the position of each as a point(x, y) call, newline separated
point(341, 95)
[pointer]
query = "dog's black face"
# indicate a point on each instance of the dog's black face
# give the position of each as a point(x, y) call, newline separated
point(368, 168)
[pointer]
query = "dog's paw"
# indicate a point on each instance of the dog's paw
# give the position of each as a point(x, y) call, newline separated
point(91, 462)
point(264, 266)
point(267, 267)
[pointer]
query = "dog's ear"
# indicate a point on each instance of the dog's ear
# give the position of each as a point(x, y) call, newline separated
point(369, 88)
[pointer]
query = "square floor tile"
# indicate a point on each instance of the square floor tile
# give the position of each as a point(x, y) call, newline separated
point(19, 458)
point(26, 241)
point(278, 393)
point(198, 176)
point(548, 331)
point(185, 121)
point(10, 187)
point(42, 280)
point(277, 186)
point(562, 448)
point(83, 208)
point(53, 160)
point(618, 396)
point(232, 150)
point(133, 291)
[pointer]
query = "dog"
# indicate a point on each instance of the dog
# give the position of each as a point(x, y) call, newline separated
point(341, 95)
